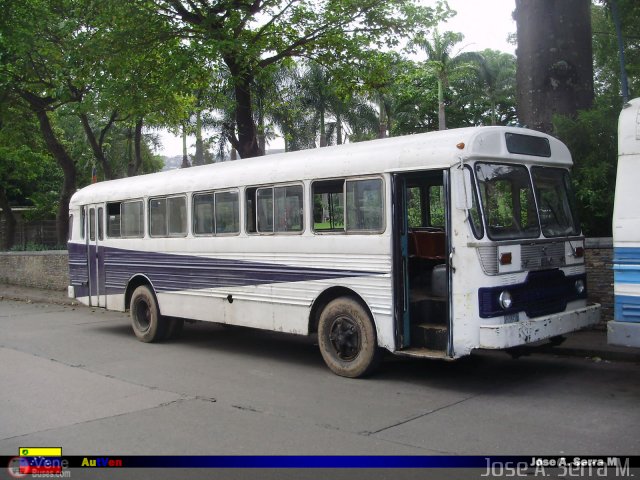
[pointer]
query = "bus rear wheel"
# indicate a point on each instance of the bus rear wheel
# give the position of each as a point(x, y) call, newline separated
point(347, 338)
point(147, 323)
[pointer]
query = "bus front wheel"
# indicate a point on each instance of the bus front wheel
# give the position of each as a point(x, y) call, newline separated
point(146, 321)
point(347, 338)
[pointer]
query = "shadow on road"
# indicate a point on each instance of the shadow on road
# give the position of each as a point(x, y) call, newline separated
point(475, 373)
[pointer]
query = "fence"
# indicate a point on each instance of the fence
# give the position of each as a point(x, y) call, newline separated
point(41, 232)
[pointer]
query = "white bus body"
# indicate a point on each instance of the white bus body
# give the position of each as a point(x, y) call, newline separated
point(385, 244)
point(625, 327)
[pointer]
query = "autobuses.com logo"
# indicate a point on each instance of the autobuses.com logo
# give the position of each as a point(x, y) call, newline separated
point(20, 467)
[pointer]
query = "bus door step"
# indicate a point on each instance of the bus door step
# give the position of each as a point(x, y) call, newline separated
point(432, 336)
point(422, 352)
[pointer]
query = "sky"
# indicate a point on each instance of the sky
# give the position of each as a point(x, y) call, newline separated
point(484, 24)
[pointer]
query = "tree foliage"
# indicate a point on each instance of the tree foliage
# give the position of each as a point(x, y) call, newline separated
point(82, 84)
point(592, 136)
point(249, 36)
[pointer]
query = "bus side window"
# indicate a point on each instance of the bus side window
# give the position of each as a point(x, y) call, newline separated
point(288, 208)
point(132, 219)
point(227, 212)
point(157, 217)
point(70, 234)
point(264, 203)
point(92, 224)
point(328, 206)
point(100, 223)
point(113, 220)
point(365, 205)
point(250, 220)
point(203, 214)
point(177, 216)
point(83, 222)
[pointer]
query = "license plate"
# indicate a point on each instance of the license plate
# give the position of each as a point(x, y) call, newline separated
point(511, 318)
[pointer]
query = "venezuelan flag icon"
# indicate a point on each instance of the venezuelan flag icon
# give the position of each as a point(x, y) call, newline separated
point(40, 460)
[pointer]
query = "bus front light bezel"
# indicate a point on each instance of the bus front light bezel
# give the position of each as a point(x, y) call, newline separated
point(505, 300)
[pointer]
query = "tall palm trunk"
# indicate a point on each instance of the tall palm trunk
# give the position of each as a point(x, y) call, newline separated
point(323, 130)
point(442, 121)
point(185, 158)
point(382, 129)
point(198, 159)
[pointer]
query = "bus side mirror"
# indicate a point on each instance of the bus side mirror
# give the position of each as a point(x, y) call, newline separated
point(463, 188)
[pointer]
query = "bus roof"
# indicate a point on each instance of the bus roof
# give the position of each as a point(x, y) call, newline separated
point(629, 128)
point(431, 150)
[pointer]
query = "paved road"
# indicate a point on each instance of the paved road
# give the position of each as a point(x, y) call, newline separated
point(76, 377)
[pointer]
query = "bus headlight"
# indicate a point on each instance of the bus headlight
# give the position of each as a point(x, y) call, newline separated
point(505, 300)
point(580, 287)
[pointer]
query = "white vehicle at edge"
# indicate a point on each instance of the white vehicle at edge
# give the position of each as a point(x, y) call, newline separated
point(428, 245)
point(624, 329)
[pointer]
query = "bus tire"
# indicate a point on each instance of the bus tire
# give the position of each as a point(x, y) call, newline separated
point(147, 323)
point(347, 338)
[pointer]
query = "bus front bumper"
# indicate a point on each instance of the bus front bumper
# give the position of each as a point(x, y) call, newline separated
point(540, 328)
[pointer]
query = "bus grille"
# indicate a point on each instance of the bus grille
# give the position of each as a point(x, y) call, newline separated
point(543, 292)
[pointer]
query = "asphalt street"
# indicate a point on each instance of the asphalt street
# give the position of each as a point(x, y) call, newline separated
point(77, 378)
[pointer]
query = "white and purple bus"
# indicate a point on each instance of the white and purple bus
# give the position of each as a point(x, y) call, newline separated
point(428, 245)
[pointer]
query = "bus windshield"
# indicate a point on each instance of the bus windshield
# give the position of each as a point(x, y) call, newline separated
point(508, 202)
point(554, 196)
point(510, 207)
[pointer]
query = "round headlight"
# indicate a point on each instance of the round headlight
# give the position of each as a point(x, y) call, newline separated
point(505, 300)
point(580, 287)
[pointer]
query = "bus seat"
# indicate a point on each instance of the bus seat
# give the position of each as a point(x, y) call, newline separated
point(411, 243)
point(428, 245)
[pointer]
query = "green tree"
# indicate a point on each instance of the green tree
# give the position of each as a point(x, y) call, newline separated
point(137, 73)
point(319, 95)
point(26, 168)
point(413, 100)
point(443, 62)
point(592, 140)
point(494, 84)
point(592, 135)
point(290, 111)
point(605, 46)
point(40, 56)
point(252, 35)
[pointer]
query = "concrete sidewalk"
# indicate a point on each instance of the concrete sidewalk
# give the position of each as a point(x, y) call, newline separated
point(590, 343)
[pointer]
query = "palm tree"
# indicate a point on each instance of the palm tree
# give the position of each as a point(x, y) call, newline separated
point(319, 95)
point(290, 113)
point(496, 73)
point(337, 116)
point(442, 62)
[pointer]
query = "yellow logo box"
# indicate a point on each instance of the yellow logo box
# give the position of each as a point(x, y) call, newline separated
point(40, 452)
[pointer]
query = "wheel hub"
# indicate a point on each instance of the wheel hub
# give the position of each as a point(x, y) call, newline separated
point(143, 315)
point(345, 338)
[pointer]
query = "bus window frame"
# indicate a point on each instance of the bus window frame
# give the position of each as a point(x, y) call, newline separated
point(166, 219)
point(479, 205)
point(120, 203)
point(346, 231)
point(486, 224)
point(213, 193)
point(273, 186)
